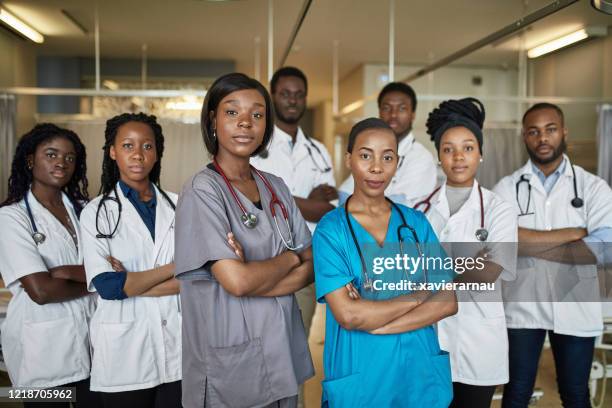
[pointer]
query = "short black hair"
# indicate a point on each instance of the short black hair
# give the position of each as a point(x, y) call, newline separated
point(222, 87)
point(545, 105)
point(287, 72)
point(362, 126)
point(399, 87)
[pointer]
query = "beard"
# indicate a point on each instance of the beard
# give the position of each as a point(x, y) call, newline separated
point(291, 120)
point(558, 151)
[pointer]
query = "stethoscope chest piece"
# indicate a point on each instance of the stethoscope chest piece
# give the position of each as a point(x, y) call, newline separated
point(249, 220)
point(482, 234)
point(38, 237)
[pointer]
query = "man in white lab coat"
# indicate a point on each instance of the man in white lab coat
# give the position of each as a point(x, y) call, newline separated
point(416, 172)
point(302, 162)
point(563, 213)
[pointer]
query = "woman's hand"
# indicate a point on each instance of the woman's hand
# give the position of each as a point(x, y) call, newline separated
point(352, 291)
point(116, 264)
point(233, 242)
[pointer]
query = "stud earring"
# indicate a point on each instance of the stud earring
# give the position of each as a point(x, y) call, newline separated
point(439, 163)
point(214, 135)
point(481, 160)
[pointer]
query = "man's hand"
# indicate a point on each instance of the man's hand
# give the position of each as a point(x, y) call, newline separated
point(323, 192)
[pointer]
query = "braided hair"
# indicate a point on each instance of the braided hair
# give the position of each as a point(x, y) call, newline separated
point(466, 112)
point(110, 170)
point(21, 176)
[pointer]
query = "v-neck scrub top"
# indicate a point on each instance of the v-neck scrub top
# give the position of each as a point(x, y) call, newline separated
point(237, 351)
point(368, 370)
point(43, 345)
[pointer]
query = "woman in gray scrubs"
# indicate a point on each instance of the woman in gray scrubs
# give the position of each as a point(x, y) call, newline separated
point(239, 266)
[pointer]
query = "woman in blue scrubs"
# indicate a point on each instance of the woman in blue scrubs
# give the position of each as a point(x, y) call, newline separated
point(380, 352)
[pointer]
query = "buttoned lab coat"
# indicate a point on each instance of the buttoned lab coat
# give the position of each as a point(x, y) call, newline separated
point(136, 341)
point(536, 277)
point(43, 345)
point(476, 337)
point(299, 169)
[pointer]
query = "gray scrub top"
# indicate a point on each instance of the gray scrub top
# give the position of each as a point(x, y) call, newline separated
point(237, 351)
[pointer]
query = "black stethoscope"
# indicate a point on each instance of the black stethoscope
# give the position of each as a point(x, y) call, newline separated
point(250, 220)
point(367, 282)
point(37, 236)
point(576, 202)
point(481, 233)
point(102, 203)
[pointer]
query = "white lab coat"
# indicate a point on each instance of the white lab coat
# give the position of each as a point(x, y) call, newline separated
point(43, 345)
point(476, 337)
point(415, 178)
point(136, 341)
point(535, 277)
point(300, 170)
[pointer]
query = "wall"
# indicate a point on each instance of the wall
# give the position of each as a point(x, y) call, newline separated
point(581, 70)
point(18, 68)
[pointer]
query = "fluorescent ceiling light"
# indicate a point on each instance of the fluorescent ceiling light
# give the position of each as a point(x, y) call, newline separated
point(566, 40)
point(21, 27)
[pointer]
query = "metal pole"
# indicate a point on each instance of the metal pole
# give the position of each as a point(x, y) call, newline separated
point(499, 34)
point(270, 39)
point(97, 45)
point(294, 33)
point(509, 29)
point(391, 40)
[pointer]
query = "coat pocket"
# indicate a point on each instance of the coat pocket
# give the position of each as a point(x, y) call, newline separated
point(343, 392)
point(123, 355)
point(52, 350)
point(237, 376)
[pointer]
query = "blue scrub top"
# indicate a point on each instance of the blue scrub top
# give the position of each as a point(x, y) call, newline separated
point(362, 369)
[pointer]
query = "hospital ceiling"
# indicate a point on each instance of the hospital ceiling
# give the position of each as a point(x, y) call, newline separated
point(201, 29)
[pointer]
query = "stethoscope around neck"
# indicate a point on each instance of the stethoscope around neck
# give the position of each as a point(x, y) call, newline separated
point(250, 220)
point(481, 233)
point(367, 281)
point(37, 236)
point(576, 202)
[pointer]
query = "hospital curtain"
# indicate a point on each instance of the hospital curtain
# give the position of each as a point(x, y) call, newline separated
point(503, 153)
point(7, 140)
point(604, 143)
point(184, 152)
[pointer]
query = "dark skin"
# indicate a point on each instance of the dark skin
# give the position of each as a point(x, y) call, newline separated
point(135, 153)
point(240, 123)
point(52, 166)
point(289, 100)
point(373, 163)
point(544, 134)
point(397, 111)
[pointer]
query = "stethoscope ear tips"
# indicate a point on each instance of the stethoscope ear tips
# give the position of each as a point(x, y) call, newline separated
point(577, 202)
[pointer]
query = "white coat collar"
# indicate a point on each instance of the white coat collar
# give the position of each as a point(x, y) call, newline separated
point(38, 208)
point(406, 144)
point(164, 216)
point(281, 137)
point(471, 205)
point(534, 180)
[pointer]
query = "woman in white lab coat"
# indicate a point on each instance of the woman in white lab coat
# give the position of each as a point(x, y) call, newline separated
point(45, 338)
point(477, 222)
point(128, 236)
